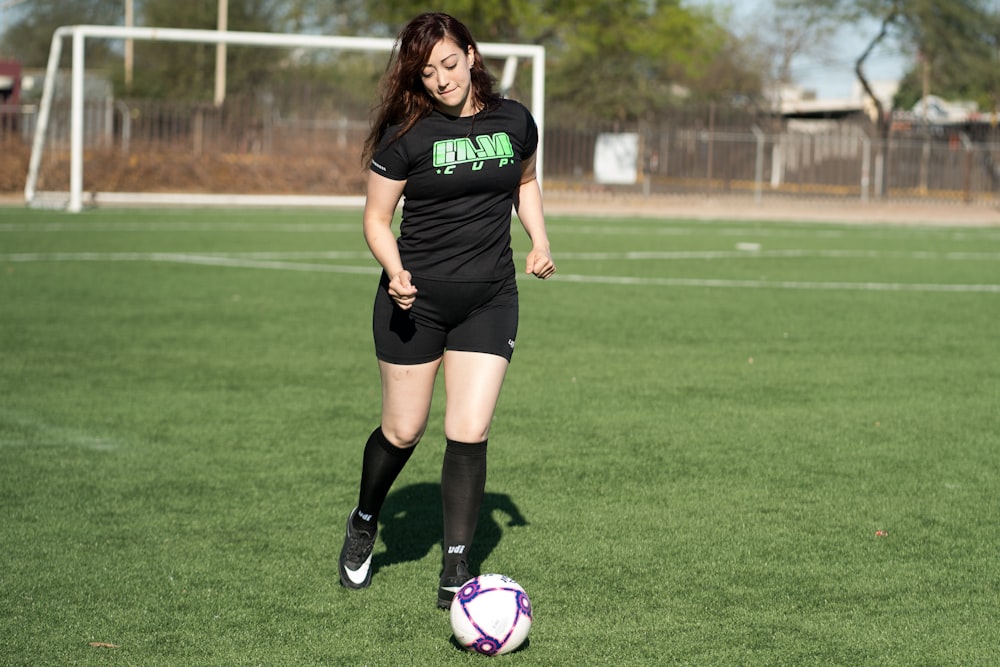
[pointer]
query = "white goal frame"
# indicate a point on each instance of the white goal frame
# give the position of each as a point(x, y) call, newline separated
point(73, 198)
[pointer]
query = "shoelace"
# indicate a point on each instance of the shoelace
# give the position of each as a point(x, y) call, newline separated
point(359, 546)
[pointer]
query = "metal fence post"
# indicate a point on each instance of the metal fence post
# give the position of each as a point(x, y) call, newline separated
point(758, 168)
point(866, 164)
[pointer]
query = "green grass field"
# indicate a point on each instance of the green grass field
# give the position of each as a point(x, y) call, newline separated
point(720, 443)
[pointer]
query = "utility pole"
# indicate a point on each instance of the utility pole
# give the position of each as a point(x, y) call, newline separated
point(129, 44)
point(925, 156)
point(220, 55)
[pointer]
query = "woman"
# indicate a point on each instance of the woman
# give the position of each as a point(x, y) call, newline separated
point(462, 157)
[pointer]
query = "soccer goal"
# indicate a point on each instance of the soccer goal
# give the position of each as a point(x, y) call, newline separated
point(118, 121)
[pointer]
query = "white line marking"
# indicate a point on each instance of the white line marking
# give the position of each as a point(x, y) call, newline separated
point(792, 231)
point(556, 225)
point(779, 284)
point(62, 227)
point(770, 254)
point(583, 256)
point(172, 256)
point(233, 260)
point(245, 260)
point(52, 435)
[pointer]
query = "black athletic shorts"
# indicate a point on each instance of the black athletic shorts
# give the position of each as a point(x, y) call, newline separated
point(461, 316)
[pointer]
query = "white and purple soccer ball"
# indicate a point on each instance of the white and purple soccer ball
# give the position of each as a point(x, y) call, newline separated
point(491, 614)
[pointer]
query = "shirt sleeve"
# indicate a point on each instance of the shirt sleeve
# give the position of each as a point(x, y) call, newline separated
point(530, 135)
point(390, 159)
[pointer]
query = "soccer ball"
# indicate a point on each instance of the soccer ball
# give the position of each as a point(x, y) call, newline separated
point(491, 614)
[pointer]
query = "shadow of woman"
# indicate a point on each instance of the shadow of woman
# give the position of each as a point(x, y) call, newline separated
point(411, 525)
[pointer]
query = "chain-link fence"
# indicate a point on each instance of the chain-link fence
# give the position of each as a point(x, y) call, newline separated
point(824, 159)
point(312, 150)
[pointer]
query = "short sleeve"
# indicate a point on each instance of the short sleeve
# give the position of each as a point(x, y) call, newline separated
point(530, 135)
point(390, 159)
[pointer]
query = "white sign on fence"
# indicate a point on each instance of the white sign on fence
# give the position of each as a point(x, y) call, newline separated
point(616, 158)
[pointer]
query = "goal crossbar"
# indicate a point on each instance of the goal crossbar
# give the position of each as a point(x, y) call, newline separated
point(80, 33)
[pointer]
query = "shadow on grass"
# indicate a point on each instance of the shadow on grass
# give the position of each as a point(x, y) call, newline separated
point(411, 525)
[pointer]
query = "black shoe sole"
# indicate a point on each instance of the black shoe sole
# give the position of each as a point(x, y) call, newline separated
point(445, 596)
point(445, 602)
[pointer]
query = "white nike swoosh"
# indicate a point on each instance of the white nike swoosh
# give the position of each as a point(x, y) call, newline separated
point(359, 575)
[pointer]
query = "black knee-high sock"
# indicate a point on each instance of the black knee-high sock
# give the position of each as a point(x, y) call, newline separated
point(381, 465)
point(463, 483)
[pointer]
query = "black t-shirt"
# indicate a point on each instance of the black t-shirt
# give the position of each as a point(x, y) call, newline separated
point(461, 176)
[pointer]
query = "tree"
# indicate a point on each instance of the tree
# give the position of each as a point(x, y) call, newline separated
point(29, 37)
point(610, 59)
point(180, 71)
point(607, 59)
point(956, 42)
point(610, 65)
point(956, 48)
point(797, 29)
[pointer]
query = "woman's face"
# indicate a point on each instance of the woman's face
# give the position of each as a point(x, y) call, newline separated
point(447, 76)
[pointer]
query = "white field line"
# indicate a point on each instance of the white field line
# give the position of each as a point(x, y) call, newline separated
point(555, 226)
point(780, 284)
point(224, 260)
point(176, 256)
point(801, 232)
point(52, 435)
point(770, 254)
point(61, 227)
point(584, 256)
point(248, 260)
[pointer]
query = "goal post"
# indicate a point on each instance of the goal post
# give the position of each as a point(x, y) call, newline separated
point(73, 198)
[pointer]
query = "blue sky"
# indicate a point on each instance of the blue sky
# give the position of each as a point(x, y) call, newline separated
point(831, 76)
point(835, 78)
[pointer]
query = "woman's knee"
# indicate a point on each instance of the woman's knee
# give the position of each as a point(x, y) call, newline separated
point(402, 435)
point(467, 430)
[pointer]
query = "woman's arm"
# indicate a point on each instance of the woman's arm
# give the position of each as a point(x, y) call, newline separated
point(532, 217)
point(380, 206)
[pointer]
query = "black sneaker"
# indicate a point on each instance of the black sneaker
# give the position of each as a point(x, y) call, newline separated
point(356, 556)
point(451, 584)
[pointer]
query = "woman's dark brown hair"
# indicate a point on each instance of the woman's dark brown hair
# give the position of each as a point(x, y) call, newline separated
point(403, 99)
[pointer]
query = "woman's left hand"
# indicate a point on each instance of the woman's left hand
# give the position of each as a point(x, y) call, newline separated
point(540, 263)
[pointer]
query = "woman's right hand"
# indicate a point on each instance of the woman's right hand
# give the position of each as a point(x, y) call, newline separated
point(402, 290)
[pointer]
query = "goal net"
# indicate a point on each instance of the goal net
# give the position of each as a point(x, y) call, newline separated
point(287, 142)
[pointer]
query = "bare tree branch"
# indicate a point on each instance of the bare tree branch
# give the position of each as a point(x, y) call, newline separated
point(858, 67)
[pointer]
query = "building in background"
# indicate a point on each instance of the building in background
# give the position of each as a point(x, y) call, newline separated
point(10, 82)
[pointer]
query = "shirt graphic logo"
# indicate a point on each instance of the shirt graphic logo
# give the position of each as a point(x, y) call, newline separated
point(449, 153)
